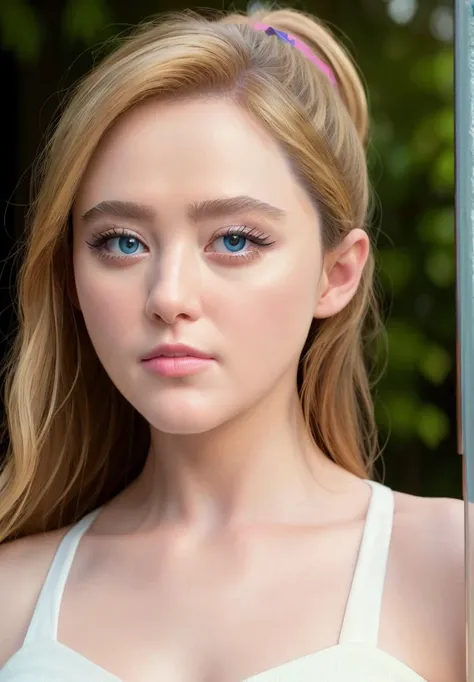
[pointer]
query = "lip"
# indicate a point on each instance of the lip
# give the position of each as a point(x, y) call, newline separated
point(163, 361)
point(167, 350)
point(177, 366)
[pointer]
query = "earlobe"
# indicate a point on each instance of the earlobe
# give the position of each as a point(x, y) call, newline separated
point(321, 311)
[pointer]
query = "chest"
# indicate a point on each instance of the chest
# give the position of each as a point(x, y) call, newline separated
point(222, 615)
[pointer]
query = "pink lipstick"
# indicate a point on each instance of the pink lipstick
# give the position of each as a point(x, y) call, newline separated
point(176, 360)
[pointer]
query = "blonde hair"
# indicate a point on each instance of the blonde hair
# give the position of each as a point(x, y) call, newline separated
point(74, 440)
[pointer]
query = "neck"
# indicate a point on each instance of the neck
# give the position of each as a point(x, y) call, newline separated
point(262, 467)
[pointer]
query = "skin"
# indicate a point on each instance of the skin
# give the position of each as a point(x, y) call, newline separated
point(218, 562)
point(220, 433)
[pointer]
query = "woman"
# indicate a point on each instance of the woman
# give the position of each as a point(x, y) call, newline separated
point(188, 403)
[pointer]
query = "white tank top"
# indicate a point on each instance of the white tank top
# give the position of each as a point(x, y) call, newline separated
point(355, 658)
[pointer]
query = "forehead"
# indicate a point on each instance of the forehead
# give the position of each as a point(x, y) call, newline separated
point(202, 149)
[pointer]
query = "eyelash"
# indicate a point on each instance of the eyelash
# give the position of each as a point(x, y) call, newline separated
point(99, 240)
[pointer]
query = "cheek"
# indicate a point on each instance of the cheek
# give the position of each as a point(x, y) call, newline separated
point(111, 309)
point(269, 313)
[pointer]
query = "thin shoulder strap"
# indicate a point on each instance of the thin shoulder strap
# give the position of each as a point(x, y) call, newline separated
point(362, 616)
point(44, 623)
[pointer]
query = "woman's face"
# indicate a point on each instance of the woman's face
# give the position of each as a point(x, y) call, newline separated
point(202, 236)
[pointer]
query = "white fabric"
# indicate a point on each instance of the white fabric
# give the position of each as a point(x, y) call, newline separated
point(355, 658)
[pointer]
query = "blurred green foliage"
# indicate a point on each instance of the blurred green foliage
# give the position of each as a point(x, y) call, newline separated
point(20, 29)
point(409, 75)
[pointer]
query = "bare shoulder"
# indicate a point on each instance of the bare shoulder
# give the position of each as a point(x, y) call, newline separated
point(24, 564)
point(439, 518)
point(432, 530)
point(427, 578)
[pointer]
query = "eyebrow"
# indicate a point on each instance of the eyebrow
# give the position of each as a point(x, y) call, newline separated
point(119, 209)
point(197, 211)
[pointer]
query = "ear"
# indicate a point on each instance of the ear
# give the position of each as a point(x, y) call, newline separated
point(342, 270)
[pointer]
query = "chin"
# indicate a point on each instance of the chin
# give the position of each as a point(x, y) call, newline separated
point(182, 419)
point(180, 429)
point(182, 426)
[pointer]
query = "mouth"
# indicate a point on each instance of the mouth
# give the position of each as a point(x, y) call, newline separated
point(176, 351)
point(177, 365)
point(177, 360)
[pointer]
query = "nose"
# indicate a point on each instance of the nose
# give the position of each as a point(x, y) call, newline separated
point(176, 285)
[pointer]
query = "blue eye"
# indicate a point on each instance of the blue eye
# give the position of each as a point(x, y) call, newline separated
point(234, 242)
point(127, 245)
point(105, 243)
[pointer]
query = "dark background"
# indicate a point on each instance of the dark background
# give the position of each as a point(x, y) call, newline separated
point(405, 51)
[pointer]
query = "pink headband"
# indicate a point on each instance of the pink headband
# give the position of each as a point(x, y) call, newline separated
point(300, 46)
